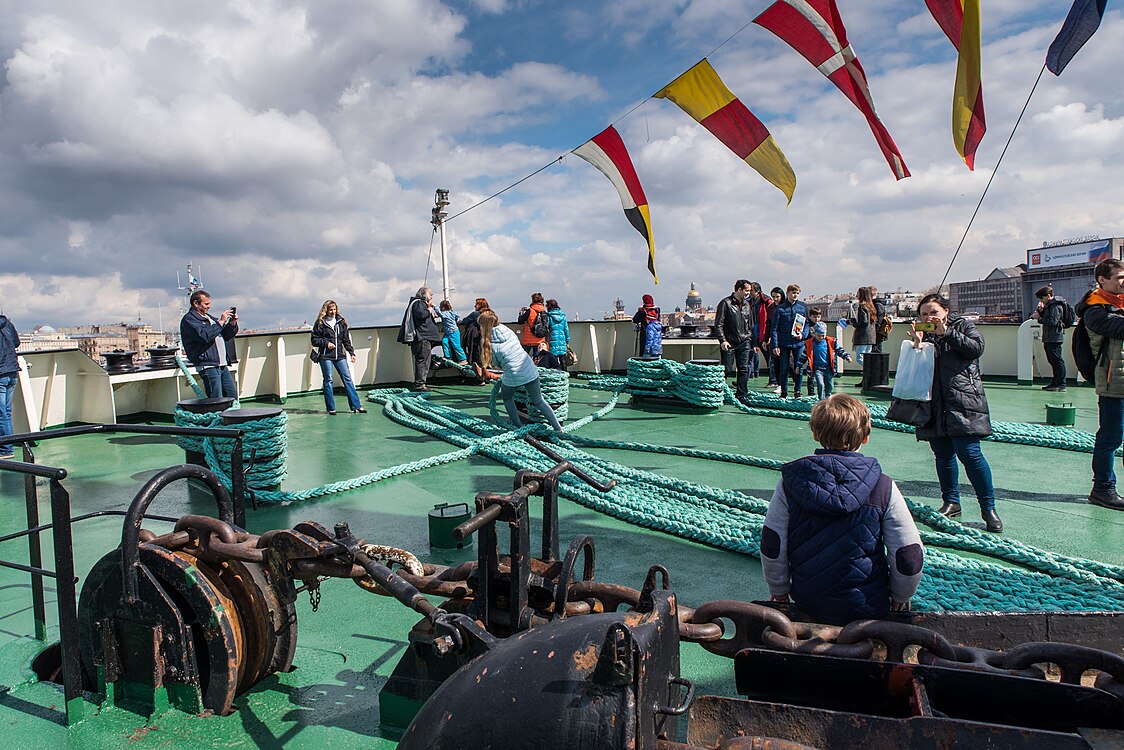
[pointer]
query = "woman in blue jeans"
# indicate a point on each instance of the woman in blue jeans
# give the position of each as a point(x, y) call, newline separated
point(501, 348)
point(960, 416)
point(332, 342)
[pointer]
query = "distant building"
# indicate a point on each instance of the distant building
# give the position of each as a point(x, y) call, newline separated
point(1068, 268)
point(694, 301)
point(998, 295)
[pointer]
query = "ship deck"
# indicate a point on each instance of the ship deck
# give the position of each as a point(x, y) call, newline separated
point(348, 647)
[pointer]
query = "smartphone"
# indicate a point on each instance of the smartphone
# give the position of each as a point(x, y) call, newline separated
point(925, 327)
point(233, 310)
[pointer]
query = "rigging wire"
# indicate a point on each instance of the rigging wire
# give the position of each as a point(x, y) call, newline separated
point(425, 280)
point(989, 181)
point(509, 187)
point(639, 104)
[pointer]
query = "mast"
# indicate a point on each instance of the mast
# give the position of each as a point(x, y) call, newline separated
point(439, 215)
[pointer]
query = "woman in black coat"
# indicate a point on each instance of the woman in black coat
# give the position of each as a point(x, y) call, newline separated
point(470, 338)
point(331, 341)
point(960, 415)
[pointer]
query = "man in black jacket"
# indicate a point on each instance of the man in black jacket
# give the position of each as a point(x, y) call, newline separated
point(421, 330)
point(205, 341)
point(735, 333)
point(1051, 314)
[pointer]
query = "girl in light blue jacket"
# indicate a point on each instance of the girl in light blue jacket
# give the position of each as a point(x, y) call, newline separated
point(502, 349)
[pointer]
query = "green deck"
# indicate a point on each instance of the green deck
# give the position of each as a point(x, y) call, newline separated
point(349, 647)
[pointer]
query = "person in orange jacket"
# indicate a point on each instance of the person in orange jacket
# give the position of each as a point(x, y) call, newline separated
point(528, 317)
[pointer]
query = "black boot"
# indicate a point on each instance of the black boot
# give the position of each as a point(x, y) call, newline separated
point(1106, 499)
point(991, 520)
point(950, 510)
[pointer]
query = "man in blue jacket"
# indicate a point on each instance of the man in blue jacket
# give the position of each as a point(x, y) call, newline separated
point(790, 328)
point(9, 379)
point(204, 341)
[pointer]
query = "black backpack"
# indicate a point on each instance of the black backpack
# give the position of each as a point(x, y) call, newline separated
point(1069, 315)
point(1083, 354)
point(541, 327)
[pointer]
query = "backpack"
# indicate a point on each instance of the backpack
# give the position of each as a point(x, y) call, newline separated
point(885, 325)
point(541, 327)
point(1069, 315)
point(1083, 354)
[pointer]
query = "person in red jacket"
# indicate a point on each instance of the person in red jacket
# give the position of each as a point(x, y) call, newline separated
point(527, 316)
point(820, 351)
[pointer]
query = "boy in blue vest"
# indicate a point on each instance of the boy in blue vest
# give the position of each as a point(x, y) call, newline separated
point(838, 537)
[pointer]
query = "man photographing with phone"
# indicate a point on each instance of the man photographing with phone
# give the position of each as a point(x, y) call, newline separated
point(205, 340)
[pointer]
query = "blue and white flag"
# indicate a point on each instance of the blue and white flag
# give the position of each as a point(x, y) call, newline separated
point(1082, 22)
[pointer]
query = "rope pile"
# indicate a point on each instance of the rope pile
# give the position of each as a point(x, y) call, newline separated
point(699, 384)
point(265, 439)
point(555, 386)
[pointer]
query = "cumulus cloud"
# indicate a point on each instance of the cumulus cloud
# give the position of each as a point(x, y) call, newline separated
point(290, 150)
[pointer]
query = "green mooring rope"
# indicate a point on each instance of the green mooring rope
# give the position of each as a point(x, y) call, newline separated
point(190, 378)
point(732, 520)
point(769, 405)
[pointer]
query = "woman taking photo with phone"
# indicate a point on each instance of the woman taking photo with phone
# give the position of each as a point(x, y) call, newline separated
point(331, 342)
point(502, 349)
point(960, 416)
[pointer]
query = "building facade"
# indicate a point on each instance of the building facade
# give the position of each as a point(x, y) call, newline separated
point(1068, 268)
point(997, 295)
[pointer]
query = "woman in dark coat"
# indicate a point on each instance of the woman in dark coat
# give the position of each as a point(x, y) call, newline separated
point(959, 409)
point(332, 342)
point(864, 324)
point(470, 338)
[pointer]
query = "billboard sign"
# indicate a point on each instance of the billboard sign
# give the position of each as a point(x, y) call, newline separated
point(1069, 255)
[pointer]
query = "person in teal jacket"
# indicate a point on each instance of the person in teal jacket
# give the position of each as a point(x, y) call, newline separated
point(559, 332)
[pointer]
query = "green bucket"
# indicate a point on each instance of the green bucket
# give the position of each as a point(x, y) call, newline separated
point(1061, 415)
point(442, 520)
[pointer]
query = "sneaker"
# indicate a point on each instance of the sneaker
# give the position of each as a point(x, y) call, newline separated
point(777, 390)
point(1054, 388)
point(1106, 499)
point(798, 394)
point(7, 456)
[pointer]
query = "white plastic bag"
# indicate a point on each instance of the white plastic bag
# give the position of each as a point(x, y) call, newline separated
point(913, 380)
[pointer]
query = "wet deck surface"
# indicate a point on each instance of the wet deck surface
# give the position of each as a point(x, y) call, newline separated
point(348, 648)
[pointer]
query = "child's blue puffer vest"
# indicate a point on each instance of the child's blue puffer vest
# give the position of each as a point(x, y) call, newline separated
point(836, 502)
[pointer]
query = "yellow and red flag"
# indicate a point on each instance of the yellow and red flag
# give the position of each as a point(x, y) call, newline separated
point(700, 93)
point(960, 21)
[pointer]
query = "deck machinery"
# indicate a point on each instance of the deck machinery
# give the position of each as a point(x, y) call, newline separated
point(531, 650)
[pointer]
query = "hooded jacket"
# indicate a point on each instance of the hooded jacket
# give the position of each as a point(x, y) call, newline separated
point(1102, 314)
point(9, 342)
point(959, 404)
point(509, 356)
point(839, 537)
point(559, 332)
point(1052, 319)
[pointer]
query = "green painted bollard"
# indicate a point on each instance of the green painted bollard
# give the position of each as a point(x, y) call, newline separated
point(442, 520)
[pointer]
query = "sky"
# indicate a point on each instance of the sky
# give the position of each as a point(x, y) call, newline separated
point(290, 150)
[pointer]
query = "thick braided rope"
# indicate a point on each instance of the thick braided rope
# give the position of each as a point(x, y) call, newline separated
point(732, 520)
point(265, 438)
point(769, 405)
point(190, 378)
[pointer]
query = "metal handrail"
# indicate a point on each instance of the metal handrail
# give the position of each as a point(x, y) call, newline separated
point(61, 527)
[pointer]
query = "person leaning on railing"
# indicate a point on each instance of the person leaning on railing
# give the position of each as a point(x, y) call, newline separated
point(9, 377)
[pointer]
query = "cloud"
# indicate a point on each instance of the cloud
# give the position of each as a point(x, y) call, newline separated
point(290, 150)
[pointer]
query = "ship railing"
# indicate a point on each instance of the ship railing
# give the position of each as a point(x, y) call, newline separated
point(61, 528)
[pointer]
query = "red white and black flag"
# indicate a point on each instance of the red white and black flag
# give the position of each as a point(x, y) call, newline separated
point(606, 151)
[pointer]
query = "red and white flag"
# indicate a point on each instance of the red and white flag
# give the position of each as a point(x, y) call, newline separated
point(814, 29)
